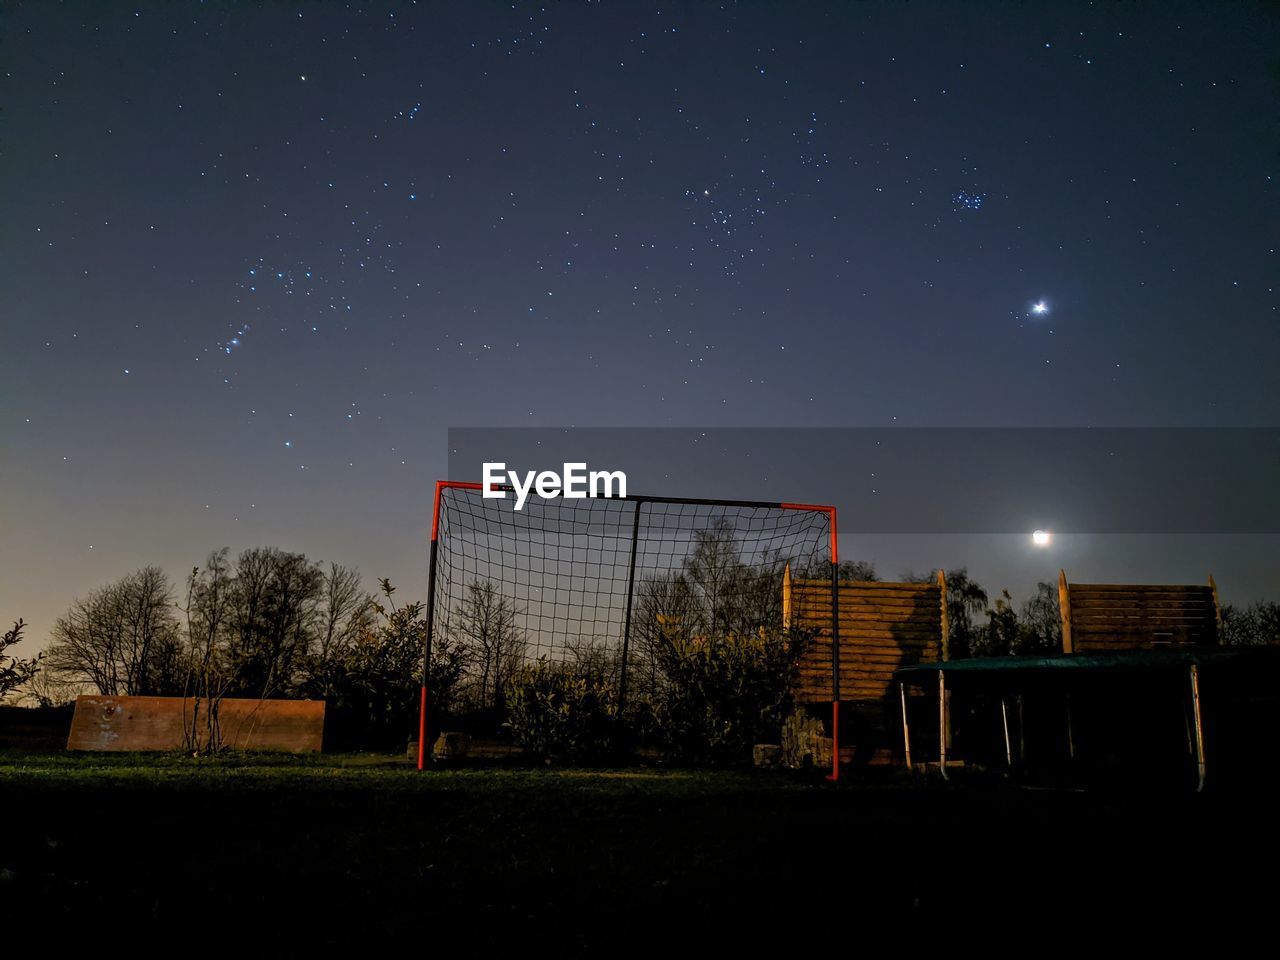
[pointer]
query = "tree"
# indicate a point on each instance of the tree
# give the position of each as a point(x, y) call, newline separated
point(1037, 629)
point(346, 613)
point(848, 571)
point(726, 594)
point(711, 572)
point(14, 672)
point(345, 608)
point(856, 570)
point(714, 662)
point(1041, 623)
point(209, 676)
point(1001, 635)
point(662, 602)
point(372, 678)
point(123, 638)
point(487, 626)
point(966, 599)
point(1255, 625)
point(274, 603)
point(46, 690)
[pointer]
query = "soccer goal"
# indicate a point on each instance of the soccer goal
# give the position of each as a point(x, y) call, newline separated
point(588, 584)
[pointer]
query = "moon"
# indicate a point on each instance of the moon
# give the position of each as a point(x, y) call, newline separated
point(1041, 538)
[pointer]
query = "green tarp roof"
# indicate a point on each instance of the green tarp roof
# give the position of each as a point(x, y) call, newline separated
point(1128, 660)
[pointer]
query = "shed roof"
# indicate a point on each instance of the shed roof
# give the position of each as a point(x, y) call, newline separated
point(1130, 660)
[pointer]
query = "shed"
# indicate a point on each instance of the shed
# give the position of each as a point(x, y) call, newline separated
point(1117, 709)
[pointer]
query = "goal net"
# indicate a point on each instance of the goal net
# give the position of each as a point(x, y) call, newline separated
point(588, 584)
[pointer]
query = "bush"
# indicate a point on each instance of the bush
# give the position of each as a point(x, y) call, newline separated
point(1255, 625)
point(556, 712)
point(722, 694)
point(372, 681)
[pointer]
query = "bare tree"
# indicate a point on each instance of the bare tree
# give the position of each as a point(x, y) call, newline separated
point(273, 617)
point(345, 609)
point(727, 593)
point(44, 689)
point(663, 603)
point(123, 638)
point(346, 617)
point(209, 678)
point(486, 625)
point(1041, 622)
point(712, 571)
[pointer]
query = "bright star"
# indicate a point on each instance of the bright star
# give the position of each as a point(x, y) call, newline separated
point(1040, 308)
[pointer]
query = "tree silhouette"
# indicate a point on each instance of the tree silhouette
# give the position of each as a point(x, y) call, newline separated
point(14, 672)
point(123, 638)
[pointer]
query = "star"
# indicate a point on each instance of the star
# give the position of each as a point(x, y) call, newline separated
point(1040, 308)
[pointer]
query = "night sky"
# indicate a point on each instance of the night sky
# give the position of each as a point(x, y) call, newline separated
point(255, 260)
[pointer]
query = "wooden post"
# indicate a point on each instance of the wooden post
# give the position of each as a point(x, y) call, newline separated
point(1195, 710)
point(1217, 610)
point(1064, 611)
point(942, 724)
point(835, 654)
point(906, 727)
point(786, 597)
point(946, 617)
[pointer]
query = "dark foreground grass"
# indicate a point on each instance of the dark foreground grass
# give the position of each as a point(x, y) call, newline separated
point(269, 856)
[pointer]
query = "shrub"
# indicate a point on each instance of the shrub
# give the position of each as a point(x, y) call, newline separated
point(1255, 625)
point(722, 694)
point(557, 712)
point(373, 678)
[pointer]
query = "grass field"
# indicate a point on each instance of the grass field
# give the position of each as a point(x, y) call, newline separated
point(287, 855)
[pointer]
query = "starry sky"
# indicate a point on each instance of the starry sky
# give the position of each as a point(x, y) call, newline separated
point(257, 259)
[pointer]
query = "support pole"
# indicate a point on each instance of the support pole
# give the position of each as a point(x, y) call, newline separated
point(1195, 710)
point(626, 623)
point(1008, 744)
point(906, 727)
point(942, 724)
point(1071, 739)
point(1022, 732)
